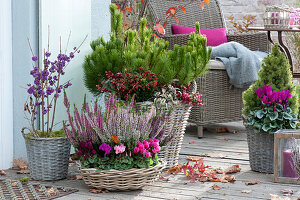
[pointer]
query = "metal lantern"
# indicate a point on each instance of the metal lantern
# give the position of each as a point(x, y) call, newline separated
point(285, 144)
point(277, 17)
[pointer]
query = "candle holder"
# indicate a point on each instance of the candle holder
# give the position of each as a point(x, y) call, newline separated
point(283, 163)
point(277, 17)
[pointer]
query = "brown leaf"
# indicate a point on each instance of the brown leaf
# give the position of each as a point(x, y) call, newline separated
point(75, 177)
point(175, 169)
point(20, 163)
point(276, 197)
point(218, 156)
point(2, 172)
point(232, 169)
point(230, 179)
point(246, 191)
point(51, 191)
point(161, 177)
point(192, 142)
point(193, 158)
point(97, 191)
point(252, 182)
point(23, 171)
point(222, 129)
point(216, 187)
point(222, 138)
point(185, 183)
point(13, 183)
point(203, 179)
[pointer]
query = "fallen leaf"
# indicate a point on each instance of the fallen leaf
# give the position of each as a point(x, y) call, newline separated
point(287, 192)
point(2, 172)
point(193, 158)
point(175, 169)
point(203, 179)
point(232, 169)
point(51, 191)
point(184, 183)
point(192, 142)
point(222, 138)
point(75, 177)
point(235, 131)
point(239, 153)
point(216, 187)
point(222, 129)
point(246, 191)
point(161, 177)
point(23, 171)
point(97, 191)
point(20, 163)
point(218, 156)
point(276, 197)
point(230, 179)
point(252, 182)
point(90, 199)
point(13, 183)
point(204, 155)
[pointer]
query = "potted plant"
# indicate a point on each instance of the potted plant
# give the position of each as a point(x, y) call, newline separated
point(117, 148)
point(47, 148)
point(270, 104)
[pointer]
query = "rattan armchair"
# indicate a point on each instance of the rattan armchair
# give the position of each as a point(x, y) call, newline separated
point(222, 103)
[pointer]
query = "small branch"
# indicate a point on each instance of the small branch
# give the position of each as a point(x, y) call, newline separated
point(68, 42)
point(30, 46)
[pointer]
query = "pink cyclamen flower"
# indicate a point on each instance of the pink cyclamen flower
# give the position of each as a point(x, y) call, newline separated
point(119, 148)
point(94, 151)
point(79, 152)
point(147, 154)
point(146, 144)
point(136, 150)
point(156, 149)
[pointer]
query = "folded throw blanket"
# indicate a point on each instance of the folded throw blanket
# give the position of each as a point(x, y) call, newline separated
point(242, 64)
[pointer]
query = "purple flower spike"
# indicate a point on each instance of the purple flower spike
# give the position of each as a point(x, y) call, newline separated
point(34, 58)
point(47, 54)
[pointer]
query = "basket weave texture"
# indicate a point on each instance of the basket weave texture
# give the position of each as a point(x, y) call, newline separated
point(261, 151)
point(48, 157)
point(131, 179)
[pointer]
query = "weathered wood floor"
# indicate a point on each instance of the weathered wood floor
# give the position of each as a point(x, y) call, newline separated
point(235, 152)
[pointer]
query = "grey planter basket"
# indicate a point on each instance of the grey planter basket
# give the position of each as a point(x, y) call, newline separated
point(48, 157)
point(261, 151)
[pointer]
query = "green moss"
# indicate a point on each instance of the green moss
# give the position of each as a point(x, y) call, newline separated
point(54, 134)
point(275, 71)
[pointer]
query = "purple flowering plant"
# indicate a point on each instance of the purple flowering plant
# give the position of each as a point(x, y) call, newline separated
point(274, 114)
point(46, 89)
point(118, 138)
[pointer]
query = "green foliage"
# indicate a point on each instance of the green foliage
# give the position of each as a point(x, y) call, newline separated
point(275, 71)
point(271, 120)
point(25, 179)
point(127, 51)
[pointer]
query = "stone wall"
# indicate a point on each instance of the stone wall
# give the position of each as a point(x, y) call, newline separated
point(241, 8)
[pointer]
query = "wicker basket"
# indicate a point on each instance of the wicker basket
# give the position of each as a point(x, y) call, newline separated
point(131, 179)
point(261, 151)
point(48, 157)
point(277, 17)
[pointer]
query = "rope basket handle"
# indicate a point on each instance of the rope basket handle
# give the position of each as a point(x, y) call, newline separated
point(25, 135)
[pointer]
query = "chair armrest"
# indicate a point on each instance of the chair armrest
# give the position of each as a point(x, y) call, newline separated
point(180, 39)
point(253, 41)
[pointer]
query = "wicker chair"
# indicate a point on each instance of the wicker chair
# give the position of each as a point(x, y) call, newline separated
point(222, 103)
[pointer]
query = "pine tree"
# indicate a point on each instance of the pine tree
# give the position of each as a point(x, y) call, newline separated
point(275, 71)
point(127, 51)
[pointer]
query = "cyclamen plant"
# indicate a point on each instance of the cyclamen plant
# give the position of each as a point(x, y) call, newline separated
point(275, 113)
point(118, 138)
point(45, 90)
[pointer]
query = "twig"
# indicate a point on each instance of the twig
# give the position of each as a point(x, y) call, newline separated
point(68, 42)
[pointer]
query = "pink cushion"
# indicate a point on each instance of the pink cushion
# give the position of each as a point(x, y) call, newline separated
point(214, 37)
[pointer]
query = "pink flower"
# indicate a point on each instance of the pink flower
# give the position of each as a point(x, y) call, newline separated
point(136, 150)
point(119, 148)
point(146, 144)
point(156, 149)
point(147, 154)
point(79, 152)
point(94, 151)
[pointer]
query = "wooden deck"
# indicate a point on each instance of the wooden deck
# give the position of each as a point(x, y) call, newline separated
point(235, 152)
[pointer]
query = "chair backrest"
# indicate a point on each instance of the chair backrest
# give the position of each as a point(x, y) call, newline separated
point(209, 17)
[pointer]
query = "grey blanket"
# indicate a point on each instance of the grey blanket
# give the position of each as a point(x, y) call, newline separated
point(242, 64)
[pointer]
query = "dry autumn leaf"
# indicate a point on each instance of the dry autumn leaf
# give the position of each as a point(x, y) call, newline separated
point(222, 138)
point(222, 129)
point(232, 169)
point(276, 197)
point(175, 169)
point(51, 191)
point(2, 172)
point(216, 187)
point(13, 183)
point(252, 182)
point(218, 156)
point(161, 177)
point(193, 158)
point(246, 191)
point(97, 191)
point(192, 142)
point(75, 177)
point(20, 163)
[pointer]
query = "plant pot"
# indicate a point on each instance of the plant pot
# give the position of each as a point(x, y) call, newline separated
point(48, 157)
point(261, 151)
point(130, 179)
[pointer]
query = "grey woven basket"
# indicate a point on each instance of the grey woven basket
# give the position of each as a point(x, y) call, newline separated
point(48, 157)
point(131, 179)
point(261, 151)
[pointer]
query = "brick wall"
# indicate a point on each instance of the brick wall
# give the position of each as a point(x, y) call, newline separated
point(240, 8)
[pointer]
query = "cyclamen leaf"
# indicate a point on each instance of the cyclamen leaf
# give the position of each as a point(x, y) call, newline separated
point(287, 116)
point(273, 115)
point(266, 127)
point(260, 114)
point(293, 125)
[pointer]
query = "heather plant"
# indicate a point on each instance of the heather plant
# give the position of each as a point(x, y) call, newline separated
point(275, 72)
point(275, 113)
point(118, 138)
point(46, 89)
